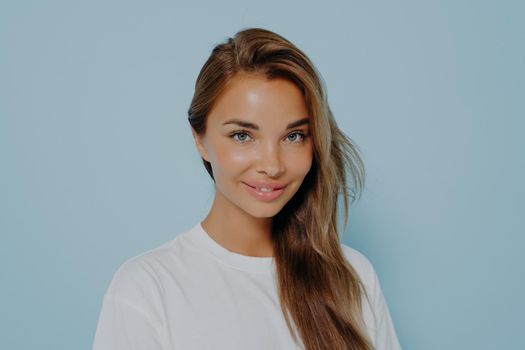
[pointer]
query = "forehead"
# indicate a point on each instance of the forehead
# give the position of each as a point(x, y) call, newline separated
point(252, 97)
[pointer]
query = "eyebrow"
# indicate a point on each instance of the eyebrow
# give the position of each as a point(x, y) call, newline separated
point(249, 125)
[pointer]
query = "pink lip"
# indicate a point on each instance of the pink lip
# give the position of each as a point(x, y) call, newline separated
point(265, 196)
point(272, 185)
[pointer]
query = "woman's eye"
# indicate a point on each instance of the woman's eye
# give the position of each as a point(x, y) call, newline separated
point(242, 136)
point(296, 134)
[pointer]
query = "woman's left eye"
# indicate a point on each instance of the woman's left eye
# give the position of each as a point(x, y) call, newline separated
point(300, 134)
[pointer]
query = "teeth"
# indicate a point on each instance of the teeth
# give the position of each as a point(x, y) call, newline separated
point(264, 189)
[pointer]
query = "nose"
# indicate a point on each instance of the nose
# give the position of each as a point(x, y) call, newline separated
point(269, 160)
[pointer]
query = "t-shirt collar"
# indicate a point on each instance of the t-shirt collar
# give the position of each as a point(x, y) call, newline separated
point(264, 265)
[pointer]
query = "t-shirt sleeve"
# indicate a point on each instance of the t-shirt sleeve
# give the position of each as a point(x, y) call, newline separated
point(124, 326)
point(129, 318)
point(385, 334)
point(377, 315)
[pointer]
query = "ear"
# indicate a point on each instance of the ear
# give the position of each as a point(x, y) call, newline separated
point(199, 142)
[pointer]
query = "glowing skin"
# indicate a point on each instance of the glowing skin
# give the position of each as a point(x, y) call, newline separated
point(239, 219)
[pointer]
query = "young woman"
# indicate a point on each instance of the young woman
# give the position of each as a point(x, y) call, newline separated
point(265, 269)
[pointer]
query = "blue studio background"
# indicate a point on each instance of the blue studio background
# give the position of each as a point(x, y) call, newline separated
point(98, 163)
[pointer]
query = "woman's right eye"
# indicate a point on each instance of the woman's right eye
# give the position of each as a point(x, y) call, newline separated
point(242, 136)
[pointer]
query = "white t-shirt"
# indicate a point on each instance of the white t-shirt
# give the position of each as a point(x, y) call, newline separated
point(192, 293)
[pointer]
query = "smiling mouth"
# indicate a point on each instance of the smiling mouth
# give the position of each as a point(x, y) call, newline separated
point(265, 194)
point(265, 189)
point(263, 186)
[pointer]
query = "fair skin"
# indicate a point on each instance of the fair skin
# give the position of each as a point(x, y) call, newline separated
point(272, 150)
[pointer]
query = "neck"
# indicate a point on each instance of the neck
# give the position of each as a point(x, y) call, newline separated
point(238, 231)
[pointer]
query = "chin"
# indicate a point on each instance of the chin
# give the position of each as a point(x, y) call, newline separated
point(264, 213)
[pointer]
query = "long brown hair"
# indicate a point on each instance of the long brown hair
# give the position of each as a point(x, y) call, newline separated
point(318, 289)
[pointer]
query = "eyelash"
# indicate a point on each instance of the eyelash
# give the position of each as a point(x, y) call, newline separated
point(237, 132)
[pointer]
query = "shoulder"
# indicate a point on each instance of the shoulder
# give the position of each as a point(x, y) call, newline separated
point(367, 273)
point(133, 301)
point(362, 265)
point(144, 273)
point(376, 313)
point(137, 272)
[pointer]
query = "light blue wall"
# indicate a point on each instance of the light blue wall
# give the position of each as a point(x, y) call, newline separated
point(98, 164)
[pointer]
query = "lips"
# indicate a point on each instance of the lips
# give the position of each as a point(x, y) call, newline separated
point(265, 194)
point(265, 185)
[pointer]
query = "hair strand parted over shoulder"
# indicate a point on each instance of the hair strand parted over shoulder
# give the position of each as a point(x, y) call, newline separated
point(320, 292)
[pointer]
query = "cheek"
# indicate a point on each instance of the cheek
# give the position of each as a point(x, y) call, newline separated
point(230, 159)
point(299, 163)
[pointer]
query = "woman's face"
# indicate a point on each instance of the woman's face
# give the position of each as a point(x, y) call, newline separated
point(257, 141)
